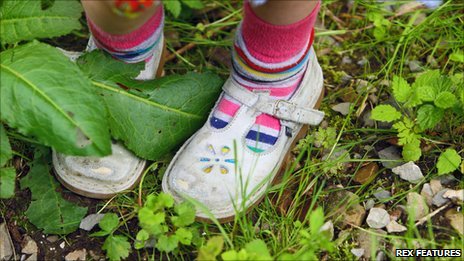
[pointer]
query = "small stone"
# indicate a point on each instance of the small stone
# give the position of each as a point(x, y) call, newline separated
point(369, 204)
point(455, 195)
point(6, 244)
point(90, 221)
point(417, 205)
point(438, 200)
point(373, 98)
point(346, 60)
point(395, 214)
point(362, 86)
point(29, 246)
point(357, 252)
point(328, 229)
point(366, 118)
point(368, 238)
point(53, 239)
point(346, 78)
point(363, 61)
point(427, 193)
point(456, 220)
point(415, 66)
point(343, 108)
point(390, 157)
point(447, 179)
point(355, 215)
point(62, 245)
point(367, 173)
point(395, 227)
point(378, 218)
point(436, 186)
point(80, 254)
point(382, 194)
point(381, 256)
point(410, 172)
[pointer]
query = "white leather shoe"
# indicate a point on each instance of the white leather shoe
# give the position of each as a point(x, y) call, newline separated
point(104, 177)
point(215, 166)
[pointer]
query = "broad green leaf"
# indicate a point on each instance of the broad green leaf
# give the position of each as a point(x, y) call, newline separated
point(48, 210)
point(385, 113)
point(448, 161)
point(401, 89)
point(212, 248)
point(445, 100)
point(173, 6)
point(141, 238)
point(257, 249)
point(167, 243)
point(184, 236)
point(426, 92)
point(5, 148)
point(116, 247)
point(194, 4)
point(406, 132)
point(154, 117)
point(230, 255)
point(25, 20)
point(185, 214)
point(412, 151)
point(316, 220)
point(7, 182)
point(159, 202)
point(457, 56)
point(428, 116)
point(46, 96)
point(109, 222)
point(152, 223)
point(434, 79)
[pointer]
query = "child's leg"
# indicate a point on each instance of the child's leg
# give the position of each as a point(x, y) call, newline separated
point(270, 54)
point(275, 87)
point(135, 39)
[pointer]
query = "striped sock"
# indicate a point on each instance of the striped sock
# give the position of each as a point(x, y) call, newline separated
point(134, 47)
point(266, 58)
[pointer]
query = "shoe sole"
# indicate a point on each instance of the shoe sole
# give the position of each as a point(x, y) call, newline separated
point(280, 172)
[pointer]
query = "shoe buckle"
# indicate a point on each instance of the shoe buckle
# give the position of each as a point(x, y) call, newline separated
point(284, 108)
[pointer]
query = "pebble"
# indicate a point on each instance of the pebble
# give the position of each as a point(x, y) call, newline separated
point(6, 245)
point(427, 193)
point(53, 239)
point(62, 245)
point(447, 179)
point(328, 228)
point(438, 200)
point(90, 221)
point(357, 252)
point(381, 256)
point(454, 195)
point(346, 78)
point(366, 238)
point(346, 60)
point(338, 203)
point(410, 172)
point(395, 227)
point(343, 108)
point(367, 173)
point(415, 66)
point(378, 218)
point(436, 186)
point(390, 156)
point(369, 204)
point(80, 254)
point(363, 61)
point(417, 205)
point(382, 194)
point(456, 220)
point(29, 246)
point(366, 119)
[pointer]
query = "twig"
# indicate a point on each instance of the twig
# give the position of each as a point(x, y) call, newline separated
point(340, 23)
point(422, 220)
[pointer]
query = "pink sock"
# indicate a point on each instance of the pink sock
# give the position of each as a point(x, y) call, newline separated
point(270, 58)
point(135, 46)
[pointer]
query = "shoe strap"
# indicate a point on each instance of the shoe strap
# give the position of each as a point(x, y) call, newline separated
point(281, 109)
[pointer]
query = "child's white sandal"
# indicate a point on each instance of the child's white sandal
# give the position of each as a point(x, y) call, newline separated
point(215, 166)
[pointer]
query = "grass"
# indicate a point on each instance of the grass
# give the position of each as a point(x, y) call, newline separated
point(429, 36)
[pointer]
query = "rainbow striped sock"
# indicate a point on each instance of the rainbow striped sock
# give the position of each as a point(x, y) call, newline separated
point(280, 75)
point(134, 47)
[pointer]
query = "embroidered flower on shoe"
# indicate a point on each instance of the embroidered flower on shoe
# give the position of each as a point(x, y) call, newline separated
point(220, 160)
